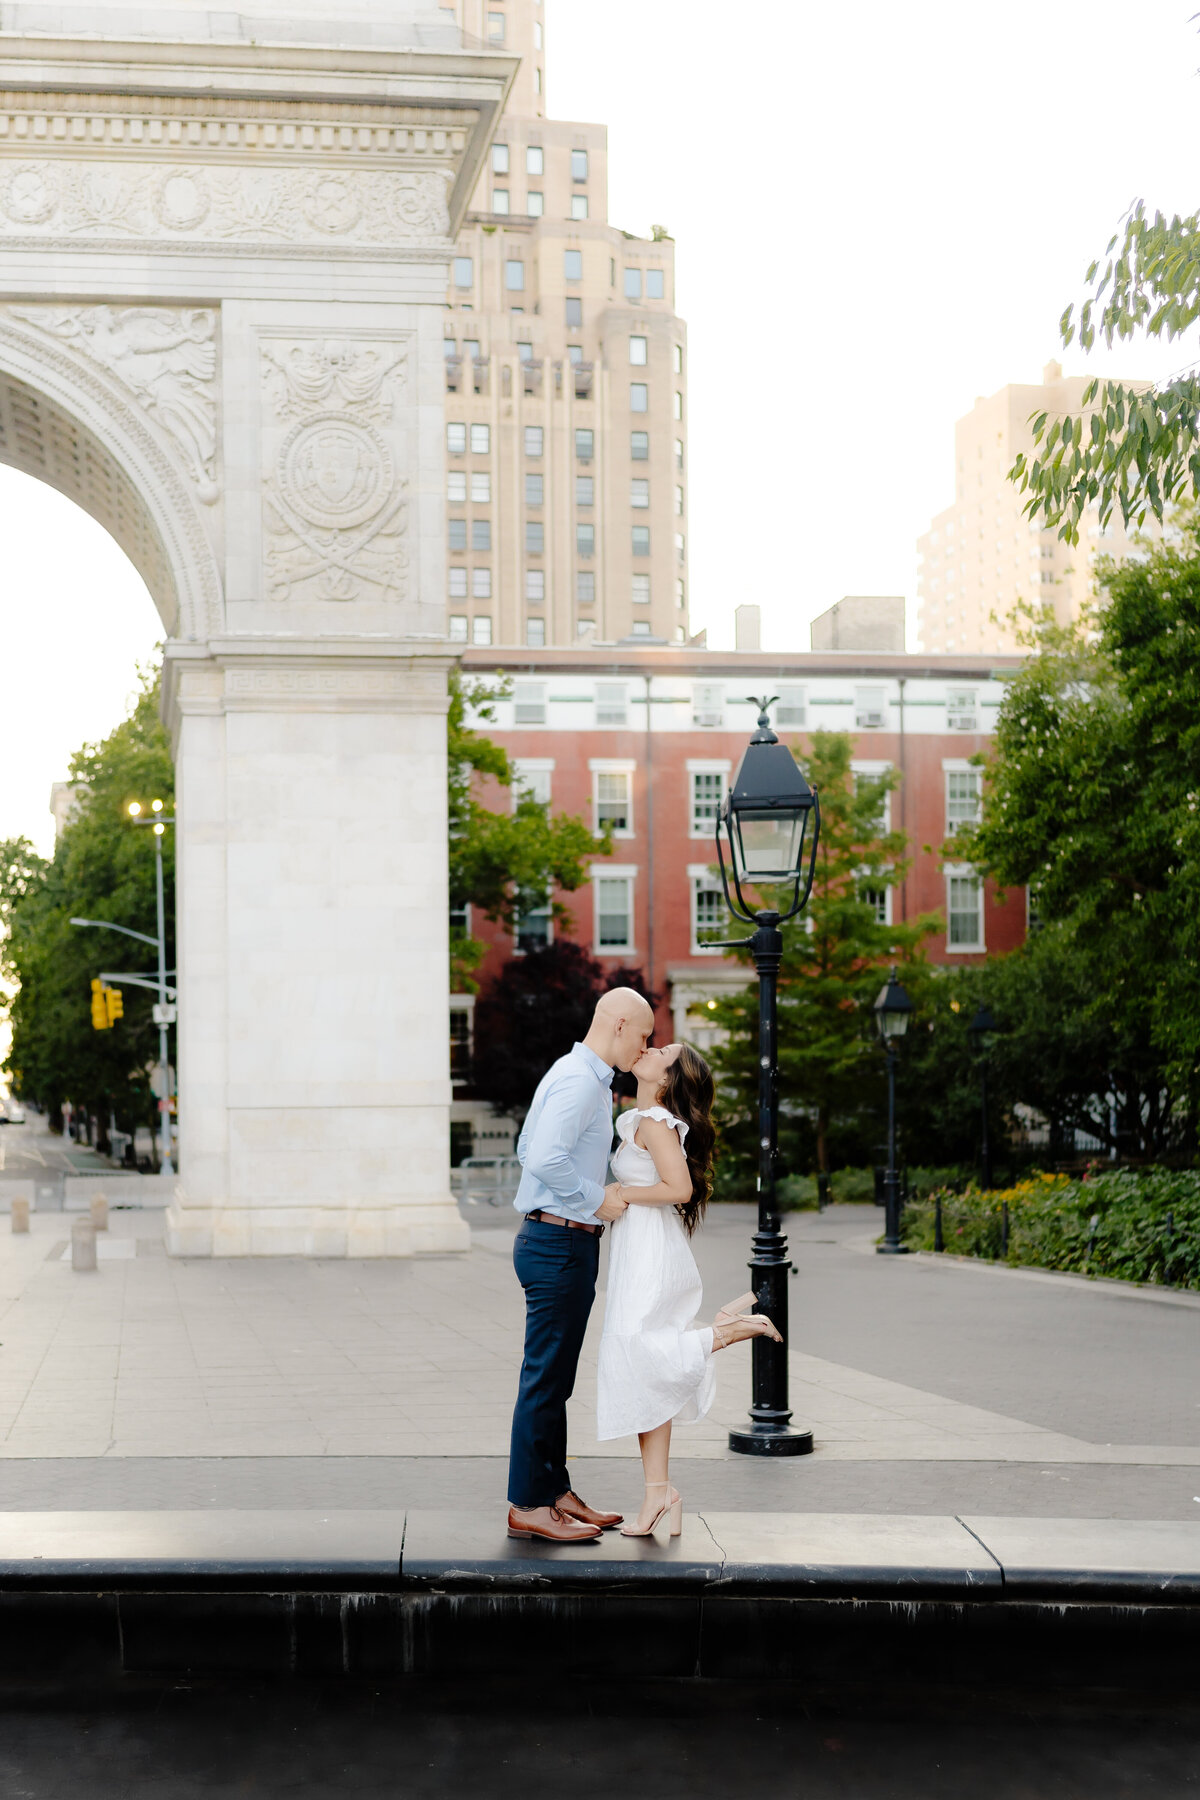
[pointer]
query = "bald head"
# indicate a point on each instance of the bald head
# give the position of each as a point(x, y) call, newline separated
point(621, 1027)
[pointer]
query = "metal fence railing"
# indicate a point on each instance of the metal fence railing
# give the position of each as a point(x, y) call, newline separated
point(486, 1180)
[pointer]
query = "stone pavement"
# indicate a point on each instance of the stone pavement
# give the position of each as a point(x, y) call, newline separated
point(928, 1383)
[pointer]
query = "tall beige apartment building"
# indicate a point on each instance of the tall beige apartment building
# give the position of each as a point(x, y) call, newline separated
point(981, 555)
point(566, 366)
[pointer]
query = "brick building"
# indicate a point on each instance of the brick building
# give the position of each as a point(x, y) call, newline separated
point(646, 739)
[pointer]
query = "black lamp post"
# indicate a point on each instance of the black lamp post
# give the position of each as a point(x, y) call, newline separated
point(982, 1032)
point(765, 819)
point(893, 1010)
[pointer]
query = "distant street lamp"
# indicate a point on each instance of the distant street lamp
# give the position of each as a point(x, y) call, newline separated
point(765, 820)
point(982, 1033)
point(893, 1010)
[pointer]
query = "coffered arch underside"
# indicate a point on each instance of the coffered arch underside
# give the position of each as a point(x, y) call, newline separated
point(66, 427)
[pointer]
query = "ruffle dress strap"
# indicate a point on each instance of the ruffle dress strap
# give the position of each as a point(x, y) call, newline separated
point(667, 1118)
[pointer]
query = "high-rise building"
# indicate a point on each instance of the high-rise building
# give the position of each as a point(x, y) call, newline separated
point(566, 371)
point(981, 556)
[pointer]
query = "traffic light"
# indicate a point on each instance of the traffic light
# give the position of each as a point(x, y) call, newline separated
point(100, 1018)
point(115, 1004)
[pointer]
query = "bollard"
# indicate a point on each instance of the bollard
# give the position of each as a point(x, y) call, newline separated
point(83, 1245)
point(98, 1208)
point(1004, 1228)
point(20, 1215)
point(939, 1242)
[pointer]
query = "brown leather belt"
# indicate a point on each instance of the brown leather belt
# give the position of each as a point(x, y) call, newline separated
point(545, 1218)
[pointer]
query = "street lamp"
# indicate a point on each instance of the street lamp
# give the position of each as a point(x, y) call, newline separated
point(765, 820)
point(981, 1034)
point(164, 1012)
point(893, 1010)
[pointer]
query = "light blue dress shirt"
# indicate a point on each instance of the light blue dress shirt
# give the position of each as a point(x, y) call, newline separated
point(567, 1135)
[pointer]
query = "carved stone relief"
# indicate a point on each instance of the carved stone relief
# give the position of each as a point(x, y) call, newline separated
point(164, 355)
point(333, 500)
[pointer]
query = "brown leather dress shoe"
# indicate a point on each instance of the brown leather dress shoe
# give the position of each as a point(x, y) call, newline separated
point(575, 1508)
point(550, 1523)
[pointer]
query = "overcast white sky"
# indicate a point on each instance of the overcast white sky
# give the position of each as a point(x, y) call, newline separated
point(880, 213)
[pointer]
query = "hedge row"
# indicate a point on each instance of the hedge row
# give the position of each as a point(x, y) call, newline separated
point(1131, 1226)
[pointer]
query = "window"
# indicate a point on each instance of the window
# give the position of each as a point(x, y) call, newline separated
point(537, 39)
point(708, 704)
point(535, 537)
point(641, 540)
point(680, 596)
point(481, 487)
point(496, 36)
point(585, 587)
point(573, 265)
point(579, 206)
point(614, 912)
point(529, 703)
point(456, 486)
point(790, 709)
point(471, 348)
point(579, 165)
point(612, 800)
point(637, 352)
point(679, 453)
point(537, 78)
point(640, 628)
point(639, 397)
point(532, 778)
point(964, 910)
point(535, 160)
point(460, 1044)
point(961, 710)
point(449, 348)
point(464, 271)
point(585, 490)
point(679, 546)
point(870, 708)
point(535, 586)
point(533, 440)
point(585, 539)
point(1033, 914)
point(709, 917)
point(514, 275)
point(481, 534)
point(677, 354)
point(641, 590)
point(535, 204)
point(866, 777)
point(500, 205)
point(456, 439)
point(481, 584)
point(575, 355)
point(611, 705)
point(678, 404)
point(963, 794)
point(532, 930)
point(879, 899)
point(574, 311)
point(639, 493)
point(585, 442)
point(639, 446)
point(457, 628)
point(633, 284)
point(534, 487)
point(678, 502)
point(458, 584)
point(499, 151)
point(481, 440)
point(481, 631)
point(708, 784)
point(456, 534)
point(654, 284)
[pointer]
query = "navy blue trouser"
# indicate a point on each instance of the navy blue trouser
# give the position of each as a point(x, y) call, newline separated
point(557, 1268)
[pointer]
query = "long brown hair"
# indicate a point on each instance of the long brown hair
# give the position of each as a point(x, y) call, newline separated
point(688, 1093)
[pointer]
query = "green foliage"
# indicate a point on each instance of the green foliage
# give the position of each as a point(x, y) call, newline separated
point(103, 868)
point(505, 863)
point(1132, 1227)
point(1133, 447)
point(830, 1066)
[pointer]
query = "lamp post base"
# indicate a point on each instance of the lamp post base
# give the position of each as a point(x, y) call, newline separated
point(886, 1249)
point(771, 1440)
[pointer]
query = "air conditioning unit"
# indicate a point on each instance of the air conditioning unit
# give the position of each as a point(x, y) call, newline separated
point(707, 717)
point(868, 721)
point(961, 722)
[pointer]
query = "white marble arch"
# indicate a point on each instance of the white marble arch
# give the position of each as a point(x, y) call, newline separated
point(223, 250)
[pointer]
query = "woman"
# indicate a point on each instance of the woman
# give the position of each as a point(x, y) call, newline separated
point(655, 1363)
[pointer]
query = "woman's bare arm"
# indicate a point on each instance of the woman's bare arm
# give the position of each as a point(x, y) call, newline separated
point(674, 1185)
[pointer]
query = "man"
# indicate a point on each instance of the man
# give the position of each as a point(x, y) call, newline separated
point(564, 1150)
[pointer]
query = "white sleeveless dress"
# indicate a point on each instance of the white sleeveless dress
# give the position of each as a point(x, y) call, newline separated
point(654, 1363)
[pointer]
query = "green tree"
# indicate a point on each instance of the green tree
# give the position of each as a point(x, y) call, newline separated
point(505, 863)
point(1133, 447)
point(834, 956)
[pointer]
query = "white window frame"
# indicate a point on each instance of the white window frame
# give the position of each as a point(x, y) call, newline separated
point(611, 724)
point(532, 775)
point(873, 769)
point(866, 716)
point(463, 1003)
point(626, 872)
point(800, 706)
point(866, 880)
point(481, 630)
point(708, 704)
point(530, 695)
point(963, 871)
point(697, 765)
point(702, 873)
point(613, 765)
point(959, 765)
point(960, 717)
